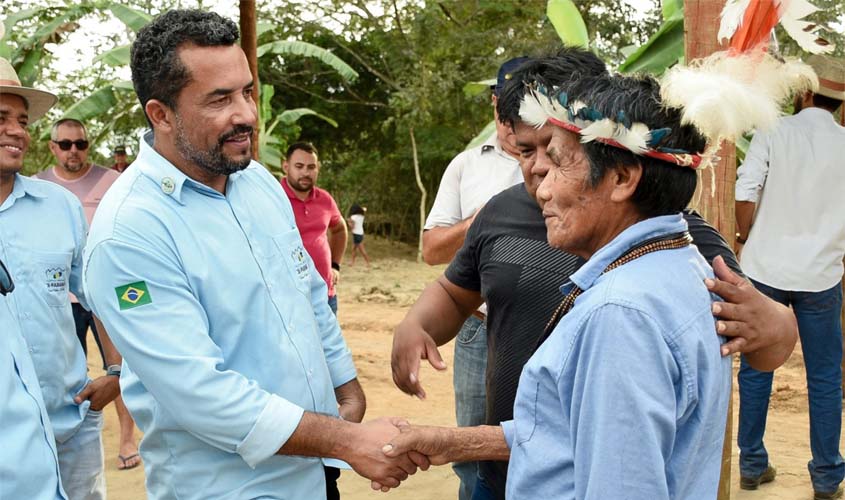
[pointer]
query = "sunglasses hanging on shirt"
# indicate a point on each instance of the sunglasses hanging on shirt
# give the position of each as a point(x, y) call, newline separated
point(6, 283)
point(65, 145)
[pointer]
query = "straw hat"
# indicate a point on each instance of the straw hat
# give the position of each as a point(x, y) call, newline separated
point(831, 72)
point(38, 101)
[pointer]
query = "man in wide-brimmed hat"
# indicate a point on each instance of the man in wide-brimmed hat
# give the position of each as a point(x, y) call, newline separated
point(42, 237)
point(793, 178)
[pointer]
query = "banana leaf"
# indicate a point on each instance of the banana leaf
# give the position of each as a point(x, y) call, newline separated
point(568, 22)
point(288, 47)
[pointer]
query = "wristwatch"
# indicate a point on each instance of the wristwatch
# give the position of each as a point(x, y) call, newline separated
point(113, 370)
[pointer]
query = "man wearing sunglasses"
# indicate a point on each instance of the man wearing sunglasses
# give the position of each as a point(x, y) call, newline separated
point(89, 182)
point(42, 234)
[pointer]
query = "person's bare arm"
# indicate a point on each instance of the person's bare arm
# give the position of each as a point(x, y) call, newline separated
point(762, 329)
point(359, 445)
point(352, 403)
point(433, 320)
point(443, 445)
point(338, 236)
point(744, 217)
point(440, 244)
point(102, 390)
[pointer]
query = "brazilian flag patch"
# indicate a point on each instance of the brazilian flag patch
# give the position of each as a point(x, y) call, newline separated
point(133, 295)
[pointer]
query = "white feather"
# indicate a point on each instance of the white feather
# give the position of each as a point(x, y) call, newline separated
point(797, 29)
point(602, 129)
point(732, 15)
point(531, 110)
point(634, 138)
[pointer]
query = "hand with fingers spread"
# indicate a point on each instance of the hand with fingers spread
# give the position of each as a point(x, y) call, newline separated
point(762, 329)
point(410, 345)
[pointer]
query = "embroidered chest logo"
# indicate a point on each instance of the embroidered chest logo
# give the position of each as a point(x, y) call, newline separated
point(55, 279)
point(299, 262)
point(133, 295)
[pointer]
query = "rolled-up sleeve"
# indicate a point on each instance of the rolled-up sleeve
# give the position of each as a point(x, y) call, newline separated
point(509, 430)
point(164, 339)
point(751, 175)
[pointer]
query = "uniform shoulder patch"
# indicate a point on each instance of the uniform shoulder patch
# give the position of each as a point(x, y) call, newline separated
point(133, 295)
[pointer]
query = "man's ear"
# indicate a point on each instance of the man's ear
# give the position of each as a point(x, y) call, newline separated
point(626, 178)
point(285, 167)
point(161, 116)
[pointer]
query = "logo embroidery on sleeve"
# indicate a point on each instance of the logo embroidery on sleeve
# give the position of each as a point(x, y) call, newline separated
point(133, 295)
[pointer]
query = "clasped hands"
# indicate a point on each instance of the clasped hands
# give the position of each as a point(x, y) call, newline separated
point(390, 449)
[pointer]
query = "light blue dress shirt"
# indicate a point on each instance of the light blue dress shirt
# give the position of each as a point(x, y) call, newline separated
point(628, 397)
point(29, 466)
point(227, 337)
point(42, 234)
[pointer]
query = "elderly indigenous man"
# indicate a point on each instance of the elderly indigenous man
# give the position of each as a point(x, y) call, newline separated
point(627, 394)
point(89, 182)
point(316, 214)
point(793, 176)
point(29, 465)
point(235, 365)
point(471, 179)
point(507, 261)
point(42, 234)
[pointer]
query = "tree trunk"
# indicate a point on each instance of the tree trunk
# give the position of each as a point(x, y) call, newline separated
point(714, 198)
point(249, 44)
point(422, 191)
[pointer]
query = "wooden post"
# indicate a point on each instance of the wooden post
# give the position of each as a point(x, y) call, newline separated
point(249, 44)
point(715, 193)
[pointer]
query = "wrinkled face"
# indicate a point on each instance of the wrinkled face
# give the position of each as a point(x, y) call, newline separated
point(14, 137)
point(302, 170)
point(215, 112)
point(574, 211)
point(74, 159)
point(533, 160)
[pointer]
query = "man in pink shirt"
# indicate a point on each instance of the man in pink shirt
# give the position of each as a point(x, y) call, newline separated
point(89, 182)
point(320, 223)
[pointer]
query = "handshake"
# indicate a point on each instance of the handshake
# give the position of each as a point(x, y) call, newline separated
point(390, 449)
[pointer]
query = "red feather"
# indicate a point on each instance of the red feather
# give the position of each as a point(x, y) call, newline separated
point(759, 20)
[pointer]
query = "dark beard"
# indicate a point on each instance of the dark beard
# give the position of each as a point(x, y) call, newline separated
point(213, 160)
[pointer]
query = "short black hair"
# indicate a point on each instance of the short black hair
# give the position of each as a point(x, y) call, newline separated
point(157, 71)
point(664, 188)
point(567, 65)
point(827, 103)
point(304, 146)
point(356, 209)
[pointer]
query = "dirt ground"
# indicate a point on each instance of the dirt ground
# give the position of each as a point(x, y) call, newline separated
point(373, 301)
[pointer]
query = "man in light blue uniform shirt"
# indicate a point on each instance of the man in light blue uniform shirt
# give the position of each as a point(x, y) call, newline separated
point(626, 396)
point(42, 233)
point(235, 367)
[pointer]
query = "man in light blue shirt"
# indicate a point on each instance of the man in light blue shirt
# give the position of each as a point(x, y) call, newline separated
point(42, 232)
point(235, 367)
point(626, 396)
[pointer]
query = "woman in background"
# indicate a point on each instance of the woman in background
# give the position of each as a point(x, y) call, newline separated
point(356, 222)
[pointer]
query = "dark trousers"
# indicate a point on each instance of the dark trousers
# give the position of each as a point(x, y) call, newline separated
point(84, 320)
point(332, 474)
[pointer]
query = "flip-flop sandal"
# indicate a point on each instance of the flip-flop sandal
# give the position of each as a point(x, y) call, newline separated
point(123, 461)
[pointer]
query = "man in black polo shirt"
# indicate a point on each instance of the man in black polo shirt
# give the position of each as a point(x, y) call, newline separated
point(507, 262)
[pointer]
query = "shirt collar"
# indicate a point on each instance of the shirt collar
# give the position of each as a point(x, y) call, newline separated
point(24, 186)
point(492, 144)
point(654, 227)
point(815, 113)
point(164, 174)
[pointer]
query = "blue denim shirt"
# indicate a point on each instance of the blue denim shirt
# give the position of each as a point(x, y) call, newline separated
point(628, 397)
point(42, 234)
point(29, 466)
point(223, 325)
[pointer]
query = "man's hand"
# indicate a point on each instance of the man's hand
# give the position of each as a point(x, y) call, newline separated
point(756, 324)
point(433, 442)
point(352, 403)
point(100, 392)
point(367, 458)
point(410, 344)
point(335, 277)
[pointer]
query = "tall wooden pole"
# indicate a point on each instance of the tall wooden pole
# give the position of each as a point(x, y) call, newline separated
point(249, 44)
point(715, 194)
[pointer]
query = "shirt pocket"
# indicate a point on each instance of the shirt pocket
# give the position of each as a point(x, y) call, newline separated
point(51, 275)
point(295, 259)
point(525, 413)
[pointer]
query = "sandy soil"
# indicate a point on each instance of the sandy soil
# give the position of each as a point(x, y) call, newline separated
point(373, 301)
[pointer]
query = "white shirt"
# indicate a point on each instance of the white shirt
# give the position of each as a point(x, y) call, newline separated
point(357, 224)
point(472, 178)
point(796, 175)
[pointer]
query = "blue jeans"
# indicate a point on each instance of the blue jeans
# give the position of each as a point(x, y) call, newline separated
point(482, 490)
point(333, 304)
point(470, 391)
point(820, 329)
point(81, 460)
